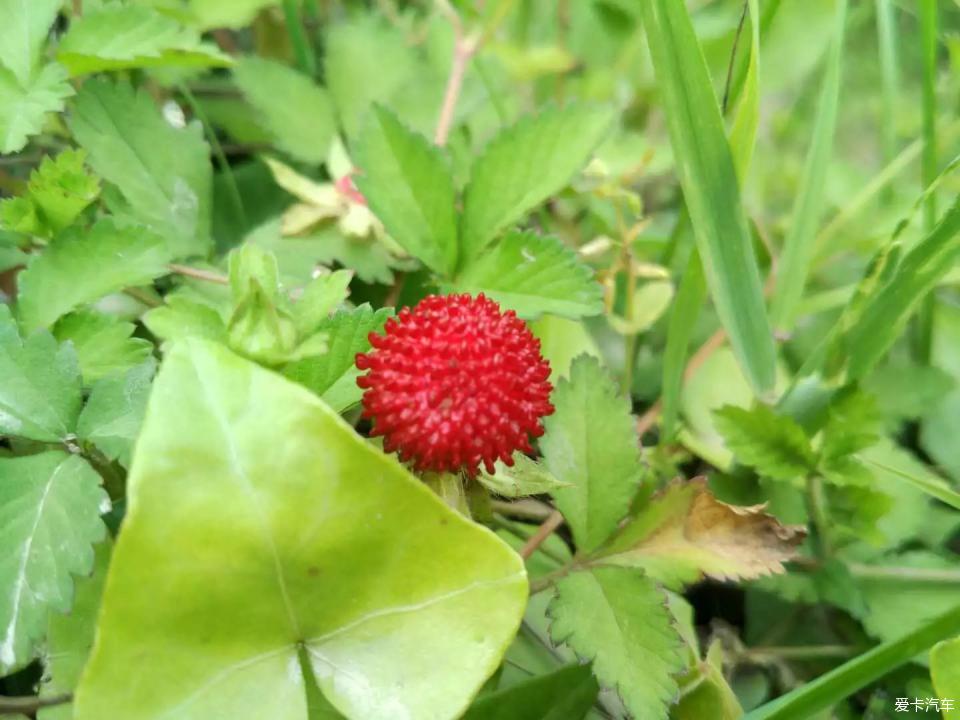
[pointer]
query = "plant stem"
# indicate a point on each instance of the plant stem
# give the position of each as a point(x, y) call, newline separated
point(298, 38)
point(733, 57)
point(463, 49)
point(198, 274)
point(802, 652)
point(554, 521)
point(525, 509)
point(547, 581)
point(817, 508)
point(29, 704)
point(905, 574)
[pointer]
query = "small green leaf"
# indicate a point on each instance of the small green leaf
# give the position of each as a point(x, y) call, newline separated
point(23, 35)
point(81, 266)
point(618, 619)
point(24, 108)
point(523, 166)
point(590, 444)
point(565, 694)
point(118, 37)
point(113, 414)
point(333, 376)
point(774, 445)
point(409, 187)
point(50, 507)
point(945, 672)
point(319, 298)
point(39, 384)
point(103, 343)
point(163, 173)
point(182, 318)
point(293, 109)
point(533, 275)
point(685, 533)
point(70, 637)
point(525, 477)
point(399, 619)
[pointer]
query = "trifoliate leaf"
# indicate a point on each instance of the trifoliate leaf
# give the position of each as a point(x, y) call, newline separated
point(23, 35)
point(57, 193)
point(525, 477)
point(113, 414)
point(260, 328)
point(685, 533)
point(853, 424)
point(81, 266)
point(117, 37)
point(295, 110)
point(618, 619)
point(70, 637)
point(319, 298)
point(333, 376)
point(24, 108)
point(163, 173)
point(50, 507)
point(409, 187)
point(774, 445)
point(39, 384)
point(182, 318)
point(291, 523)
point(534, 275)
point(103, 343)
point(523, 166)
point(565, 694)
point(590, 445)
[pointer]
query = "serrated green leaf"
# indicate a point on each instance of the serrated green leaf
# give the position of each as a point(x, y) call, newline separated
point(24, 108)
point(685, 533)
point(852, 425)
point(50, 507)
point(333, 376)
point(23, 35)
point(618, 619)
point(533, 275)
point(565, 694)
point(319, 298)
point(118, 37)
point(945, 673)
point(82, 266)
point(184, 318)
point(775, 445)
point(523, 166)
point(382, 644)
point(163, 173)
point(103, 343)
point(409, 187)
point(295, 110)
point(113, 414)
point(70, 637)
point(591, 445)
point(709, 180)
point(525, 477)
point(57, 193)
point(39, 384)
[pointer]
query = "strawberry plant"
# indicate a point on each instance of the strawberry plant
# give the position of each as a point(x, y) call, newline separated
point(513, 360)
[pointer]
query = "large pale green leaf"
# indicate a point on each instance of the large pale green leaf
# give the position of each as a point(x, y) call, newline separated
point(82, 266)
point(709, 180)
point(162, 172)
point(23, 34)
point(333, 375)
point(409, 187)
point(618, 618)
point(292, 108)
point(50, 507)
point(103, 343)
point(39, 384)
point(534, 275)
point(70, 637)
point(686, 533)
point(945, 672)
point(591, 445)
point(117, 37)
point(307, 527)
point(24, 109)
point(565, 694)
point(773, 444)
point(523, 166)
point(113, 414)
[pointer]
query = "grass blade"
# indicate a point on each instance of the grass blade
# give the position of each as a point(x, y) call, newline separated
point(798, 247)
point(932, 486)
point(743, 133)
point(807, 700)
point(709, 180)
point(889, 77)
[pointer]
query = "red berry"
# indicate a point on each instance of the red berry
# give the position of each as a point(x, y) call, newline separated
point(455, 382)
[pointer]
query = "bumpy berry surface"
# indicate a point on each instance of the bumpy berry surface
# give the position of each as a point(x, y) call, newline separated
point(454, 383)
